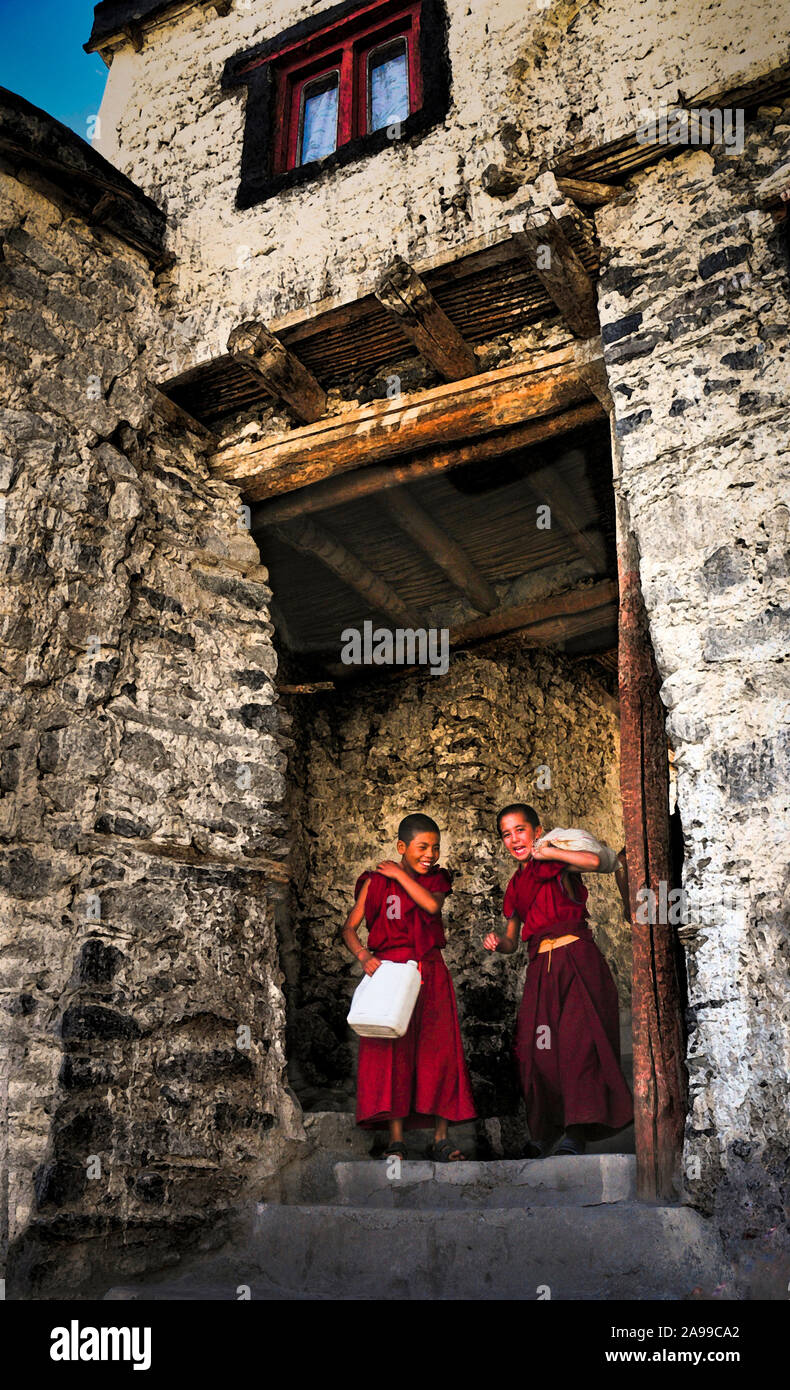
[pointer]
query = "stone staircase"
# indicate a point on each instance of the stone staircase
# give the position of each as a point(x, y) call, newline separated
point(338, 1225)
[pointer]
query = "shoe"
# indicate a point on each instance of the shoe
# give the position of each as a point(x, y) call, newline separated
point(533, 1149)
point(569, 1148)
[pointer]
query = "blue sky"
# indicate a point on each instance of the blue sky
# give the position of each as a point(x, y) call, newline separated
point(41, 58)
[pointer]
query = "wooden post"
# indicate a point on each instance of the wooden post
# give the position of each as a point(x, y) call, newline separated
point(254, 347)
point(659, 1046)
point(409, 301)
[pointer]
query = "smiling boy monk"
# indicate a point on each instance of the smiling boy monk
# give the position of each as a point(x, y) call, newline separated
point(568, 1034)
point(420, 1079)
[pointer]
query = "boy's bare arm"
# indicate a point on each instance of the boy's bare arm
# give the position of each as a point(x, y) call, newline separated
point(582, 859)
point(508, 943)
point(430, 902)
point(366, 958)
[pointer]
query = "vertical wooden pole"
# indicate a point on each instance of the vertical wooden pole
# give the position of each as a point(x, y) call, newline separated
point(659, 1045)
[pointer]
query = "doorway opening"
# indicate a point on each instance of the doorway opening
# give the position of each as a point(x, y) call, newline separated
point(514, 559)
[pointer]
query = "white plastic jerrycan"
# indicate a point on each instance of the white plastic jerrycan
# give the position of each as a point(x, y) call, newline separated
point(384, 1002)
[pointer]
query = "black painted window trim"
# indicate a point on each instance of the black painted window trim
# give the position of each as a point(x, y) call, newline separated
point(258, 183)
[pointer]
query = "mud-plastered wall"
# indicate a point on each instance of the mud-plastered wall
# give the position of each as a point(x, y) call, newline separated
point(526, 83)
point(141, 834)
point(510, 724)
point(695, 307)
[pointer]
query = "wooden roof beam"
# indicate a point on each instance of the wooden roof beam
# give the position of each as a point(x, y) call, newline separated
point(253, 346)
point(365, 482)
point(555, 263)
point(587, 193)
point(545, 615)
point(408, 300)
point(312, 540)
point(441, 549)
point(551, 489)
point(479, 405)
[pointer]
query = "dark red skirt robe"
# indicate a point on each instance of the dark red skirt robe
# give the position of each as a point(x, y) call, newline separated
point(424, 1073)
point(568, 1033)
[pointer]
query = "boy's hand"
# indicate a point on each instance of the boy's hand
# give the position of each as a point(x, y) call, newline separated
point(371, 965)
point(390, 868)
point(540, 851)
point(491, 942)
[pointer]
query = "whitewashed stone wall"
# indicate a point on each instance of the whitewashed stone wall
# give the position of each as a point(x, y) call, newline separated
point(142, 771)
point(527, 83)
point(695, 308)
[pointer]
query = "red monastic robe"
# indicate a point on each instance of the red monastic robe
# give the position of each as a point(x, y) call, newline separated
point(568, 1033)
point(424, 1073)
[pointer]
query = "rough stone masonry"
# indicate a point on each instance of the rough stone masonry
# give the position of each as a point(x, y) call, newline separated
point(143, 769)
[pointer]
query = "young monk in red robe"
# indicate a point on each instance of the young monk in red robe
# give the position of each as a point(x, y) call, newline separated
point(420, 1079)
point(568, 1033)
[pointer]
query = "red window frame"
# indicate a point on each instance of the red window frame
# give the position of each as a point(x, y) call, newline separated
point(345, 46)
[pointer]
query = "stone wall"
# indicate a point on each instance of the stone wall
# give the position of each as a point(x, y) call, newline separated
point(498, 727)
point(141, 831)
point(526, 83)
point(695, 300)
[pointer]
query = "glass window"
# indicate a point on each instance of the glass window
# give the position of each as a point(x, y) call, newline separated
point(318, 126)
point(388, 85)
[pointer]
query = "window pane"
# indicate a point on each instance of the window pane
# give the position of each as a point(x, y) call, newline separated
point(389, 88)
point(319, 121)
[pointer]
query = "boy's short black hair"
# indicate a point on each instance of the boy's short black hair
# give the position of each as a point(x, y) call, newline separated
point(413, 824)
point(528, 812)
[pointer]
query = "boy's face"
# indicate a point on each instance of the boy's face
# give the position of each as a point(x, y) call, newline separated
point(421, 853)
point(518, 836)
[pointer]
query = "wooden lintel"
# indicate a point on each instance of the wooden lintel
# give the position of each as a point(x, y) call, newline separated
point(313, 540)
point(253, 346)
point(564, 509)
point(586, 193)
point(592, 369)
point(349, 487)
point(179, 418)
point(480, 405)
point(441, 549)
point(408, 300)
point(539, 613)
point(306, 688)
point(563, 276)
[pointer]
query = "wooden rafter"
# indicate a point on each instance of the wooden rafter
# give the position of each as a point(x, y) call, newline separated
point(587, 194)
point(480, 405)
point(557, 266)
point(440, 549)
point(546, 614)
point(313, 540)
point(349, 487)
point(259, 351)
point(564, 508)
point(408, 300)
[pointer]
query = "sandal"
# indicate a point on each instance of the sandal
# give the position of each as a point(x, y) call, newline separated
point(442, 1151)
point(395, 1150)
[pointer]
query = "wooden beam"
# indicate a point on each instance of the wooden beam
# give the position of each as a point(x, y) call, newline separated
point(446, 414)
point(555, 263)
point(178, 418)
point(441, 549)
point(588, 194)
point(408, 300)
point(254, 347)
point(538, 613)
point(564, 508)
point(350, 487)
point(304, 536)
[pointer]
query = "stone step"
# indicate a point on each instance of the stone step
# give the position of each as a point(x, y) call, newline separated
point(584, 1181)
point(619, 1250)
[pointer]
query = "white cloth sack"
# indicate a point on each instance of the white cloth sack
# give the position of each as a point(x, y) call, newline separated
point(573, 839)
point(383, 1002)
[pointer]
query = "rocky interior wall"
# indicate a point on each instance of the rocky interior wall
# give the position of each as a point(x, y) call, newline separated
point(695, 306)
point(142, 775)
point(506, 724)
